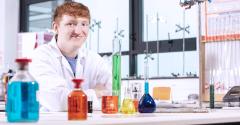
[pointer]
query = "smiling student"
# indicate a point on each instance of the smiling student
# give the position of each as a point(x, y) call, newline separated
point(55, 64)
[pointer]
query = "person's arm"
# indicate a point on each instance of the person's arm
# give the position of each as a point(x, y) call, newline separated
point(53, 90)
point(104, 79)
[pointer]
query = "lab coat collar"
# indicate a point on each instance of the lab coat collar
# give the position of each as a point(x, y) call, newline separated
point(81, 53)
point(80, 60)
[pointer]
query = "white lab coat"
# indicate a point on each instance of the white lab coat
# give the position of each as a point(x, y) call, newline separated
point(54, 74)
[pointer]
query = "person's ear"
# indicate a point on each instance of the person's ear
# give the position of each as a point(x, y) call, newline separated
point(55, 27)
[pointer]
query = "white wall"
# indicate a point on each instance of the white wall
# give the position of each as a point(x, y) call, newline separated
point(9, 23)
point(2, 23)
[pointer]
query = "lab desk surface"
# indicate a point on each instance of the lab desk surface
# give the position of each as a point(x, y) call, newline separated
point(217, 116)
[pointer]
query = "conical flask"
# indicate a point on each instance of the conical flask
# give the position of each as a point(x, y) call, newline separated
point(128, 105)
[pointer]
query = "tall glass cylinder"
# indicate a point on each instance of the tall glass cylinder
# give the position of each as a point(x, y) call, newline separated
point(116, 70)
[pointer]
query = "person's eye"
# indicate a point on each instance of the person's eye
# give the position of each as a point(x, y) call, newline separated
point(71, 24)
point(85, 24)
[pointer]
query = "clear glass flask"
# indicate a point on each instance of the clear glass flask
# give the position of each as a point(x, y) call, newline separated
point(116, 70)
point(77, 102)
point(22, 103)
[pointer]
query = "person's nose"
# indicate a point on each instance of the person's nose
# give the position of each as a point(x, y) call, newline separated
point(81, 28)
point(78, 29)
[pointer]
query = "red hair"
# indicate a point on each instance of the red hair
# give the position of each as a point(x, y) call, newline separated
point(71, 9)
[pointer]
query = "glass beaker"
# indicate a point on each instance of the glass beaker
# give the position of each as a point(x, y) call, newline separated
point(110, 104)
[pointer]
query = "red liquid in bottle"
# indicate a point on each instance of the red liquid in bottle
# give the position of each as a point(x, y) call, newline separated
point(77, 103)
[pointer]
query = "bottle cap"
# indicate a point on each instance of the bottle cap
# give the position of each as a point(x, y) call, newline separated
point(77, 82)
point(23, 60)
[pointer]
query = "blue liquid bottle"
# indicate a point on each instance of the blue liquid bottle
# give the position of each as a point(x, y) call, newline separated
point(146, 103)
point(22, 103)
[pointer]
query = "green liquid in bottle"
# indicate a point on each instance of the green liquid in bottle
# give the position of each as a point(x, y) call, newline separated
point(116, 72)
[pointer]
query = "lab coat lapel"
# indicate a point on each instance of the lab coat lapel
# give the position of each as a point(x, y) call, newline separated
point(80, 63)
point(67, 66)
point(62, 59)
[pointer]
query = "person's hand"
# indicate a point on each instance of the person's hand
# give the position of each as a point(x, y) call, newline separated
point(101, 90)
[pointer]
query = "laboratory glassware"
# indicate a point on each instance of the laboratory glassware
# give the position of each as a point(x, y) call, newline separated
point(77, 102)
point(22, 102)
point(109, 104)
point(128, 105)
point(146, 103)
point(116, 70)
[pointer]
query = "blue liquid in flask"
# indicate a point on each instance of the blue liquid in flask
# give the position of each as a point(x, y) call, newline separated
point(22, 103)
point(146, 103)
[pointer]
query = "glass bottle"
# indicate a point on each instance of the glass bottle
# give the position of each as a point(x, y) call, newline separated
point(136, 90)
point(77, 102)
point(22, 102)
point(146, 103)
point(116, 70)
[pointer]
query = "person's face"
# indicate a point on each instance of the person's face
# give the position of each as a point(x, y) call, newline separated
point(72, 31)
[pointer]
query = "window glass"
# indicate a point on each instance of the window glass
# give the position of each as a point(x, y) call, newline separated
point(106, 14)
